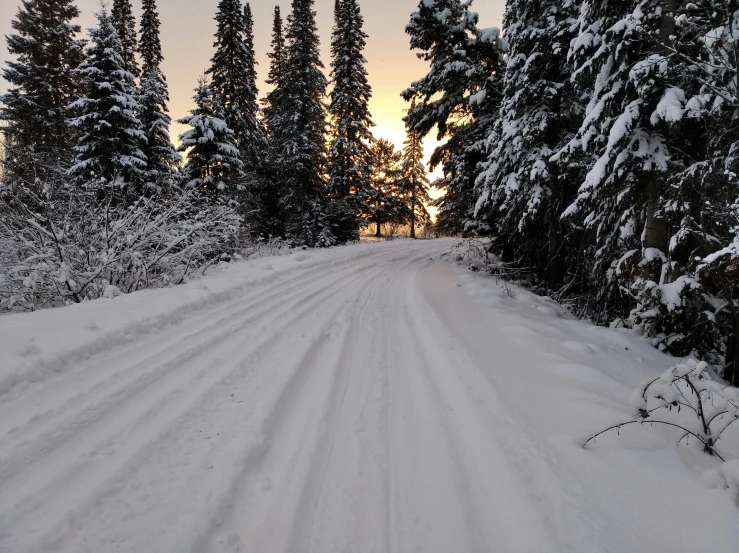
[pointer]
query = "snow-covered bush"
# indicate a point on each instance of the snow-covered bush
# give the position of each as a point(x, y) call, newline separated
point(678, 316)
point(78, 246)
point(687, 397)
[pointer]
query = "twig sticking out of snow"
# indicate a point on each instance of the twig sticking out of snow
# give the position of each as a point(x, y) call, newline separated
point(686, 388)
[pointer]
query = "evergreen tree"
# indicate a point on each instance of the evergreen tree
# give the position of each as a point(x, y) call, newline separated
point(273, 191)
point(275, 101)
point(350, 155)
point(414, 186)
point(213, 162)
point(233, 80)
point(522, 191)
point(386, 204)
point(642, 196)
point(125, 25)
point(42, 78)
point(251, 76)
point(108, 150)
point(460, 96)
point(277, 72)
point(302, 130)
point(162, 159)
point(717, 181)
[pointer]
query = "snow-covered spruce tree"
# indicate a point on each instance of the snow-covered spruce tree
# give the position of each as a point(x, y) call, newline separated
point(719, 272)
point(121, 15)
point(213, 164)
point(272, 191)
point(302, 131)
point(42, 83)
point(522, 194)
point(385, 202)
point(414, 185)
point(233, 81)
point(460, 96)
point(710, 227)
point(162, 158)
point(109, 149)
point(643, 197)
point(350, 171)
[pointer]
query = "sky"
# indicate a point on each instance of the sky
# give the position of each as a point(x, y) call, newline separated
point(187, 41)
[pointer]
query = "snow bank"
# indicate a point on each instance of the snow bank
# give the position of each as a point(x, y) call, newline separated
point(35, 346)
point(557, 382)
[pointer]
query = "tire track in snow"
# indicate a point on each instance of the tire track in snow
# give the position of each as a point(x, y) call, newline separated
point(15, 416)
point(302, 431)
point(347, 281)
point(83, 414)
point(116, 342)
point(142, 461)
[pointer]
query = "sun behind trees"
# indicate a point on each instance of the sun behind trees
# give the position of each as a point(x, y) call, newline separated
point(95, 198)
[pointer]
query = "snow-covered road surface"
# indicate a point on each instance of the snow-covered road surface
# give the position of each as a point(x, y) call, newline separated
point(367, 399)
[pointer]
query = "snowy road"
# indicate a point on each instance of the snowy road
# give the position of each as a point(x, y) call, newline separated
point(379, 401)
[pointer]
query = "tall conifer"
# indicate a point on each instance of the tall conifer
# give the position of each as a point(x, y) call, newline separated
point(350, 156)
point(273, 189)
point(459, 96)
point(42, 82)
point(521, 190)
point(162, 159)
point(233, 81)
point(109, 148)
point(303, 130)
point(125, 25)
point(414, 186)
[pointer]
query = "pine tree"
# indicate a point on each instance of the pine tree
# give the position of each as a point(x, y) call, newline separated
point(42, 82)
point(386, 204)
point(414, 185)
point(233, 80)
point(460, 96)
point(350, 156)
point(303, 129)
point(521, 191)
point(125, 25)
point(703, 223)
point(109, 150)
point(272, 190)
point(642, 128)
point(275, 101)
point(277, 72)
point(251, 75)
point(213, 162)
point(162, 158)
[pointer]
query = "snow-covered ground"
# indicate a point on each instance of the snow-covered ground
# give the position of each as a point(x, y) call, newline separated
point(373, 398)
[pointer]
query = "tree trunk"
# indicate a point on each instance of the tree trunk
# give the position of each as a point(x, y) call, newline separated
point(656, 228)
point(378, 231)
point(731, 373)
point(556, 265)
point(655, 233)
point(413, 212)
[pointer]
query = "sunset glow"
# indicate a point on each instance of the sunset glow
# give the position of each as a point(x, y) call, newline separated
point(187, 40)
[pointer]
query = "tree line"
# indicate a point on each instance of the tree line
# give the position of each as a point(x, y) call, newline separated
point(95, 198)
point(596, 143)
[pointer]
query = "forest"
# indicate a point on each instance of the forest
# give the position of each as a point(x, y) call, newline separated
point(592, 144)
point(95, 195)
